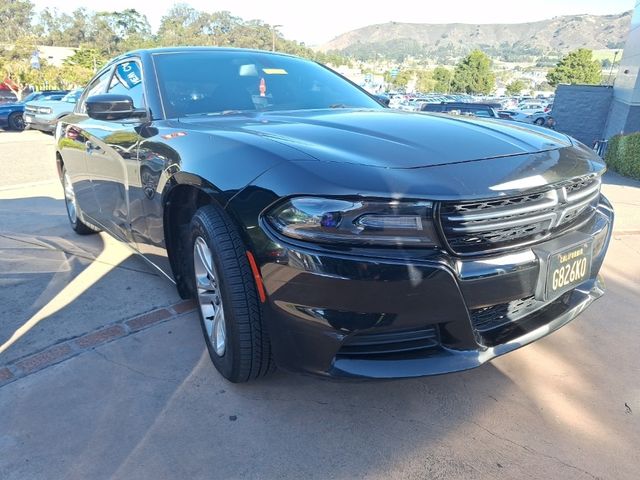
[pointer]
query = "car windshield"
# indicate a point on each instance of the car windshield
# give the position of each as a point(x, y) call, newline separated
point(221, 82)
point(31, 96)
point(72, 96)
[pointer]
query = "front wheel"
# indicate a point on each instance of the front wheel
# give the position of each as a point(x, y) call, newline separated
point(16, 121)
point(230, 313)
point(539, 121)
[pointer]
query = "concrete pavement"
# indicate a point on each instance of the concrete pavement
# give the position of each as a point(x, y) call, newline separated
point(149, 404)
point(54, 284)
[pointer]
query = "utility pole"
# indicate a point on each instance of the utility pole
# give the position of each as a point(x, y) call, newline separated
point(273, 37)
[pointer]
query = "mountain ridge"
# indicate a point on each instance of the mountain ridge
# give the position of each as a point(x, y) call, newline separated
point(558, 35)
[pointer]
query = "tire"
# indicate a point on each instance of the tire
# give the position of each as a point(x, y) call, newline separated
point(74, 213)
point(226, 294)
point(16, 121)
point(539, 121)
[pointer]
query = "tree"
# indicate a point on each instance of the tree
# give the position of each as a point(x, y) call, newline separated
point(474, 75)
point(576, 67)
point(15, 18)
point(89, 58)
point(424, 81)
point(17, 76)
point(117, 32)
point(443, 78)
point(515, 87)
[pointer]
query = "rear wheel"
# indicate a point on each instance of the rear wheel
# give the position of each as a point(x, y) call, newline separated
point(539, 121)
point(229, 309)
point(16, 121)
point(73, 209)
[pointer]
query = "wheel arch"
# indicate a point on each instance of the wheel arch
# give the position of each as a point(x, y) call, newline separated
point(183, 195)
point(59, 164)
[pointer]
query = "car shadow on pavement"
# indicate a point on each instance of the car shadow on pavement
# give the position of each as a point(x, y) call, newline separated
point(151, 405)
point(57, 285)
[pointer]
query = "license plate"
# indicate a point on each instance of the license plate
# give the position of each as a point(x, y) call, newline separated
point(568, 268)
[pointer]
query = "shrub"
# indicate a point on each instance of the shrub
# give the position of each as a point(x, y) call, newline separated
point(623, 155)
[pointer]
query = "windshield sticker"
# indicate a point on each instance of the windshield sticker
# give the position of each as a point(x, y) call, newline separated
point(128, 74)
point(275, 71)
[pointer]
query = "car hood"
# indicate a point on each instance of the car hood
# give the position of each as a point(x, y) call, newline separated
point(50, 103)
point(12, 106)
point(387, 138)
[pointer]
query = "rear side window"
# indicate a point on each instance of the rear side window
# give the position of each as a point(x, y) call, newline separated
point(127, 80)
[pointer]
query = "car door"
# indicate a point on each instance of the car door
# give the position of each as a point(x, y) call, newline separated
point(112, 157)
point(73, 144)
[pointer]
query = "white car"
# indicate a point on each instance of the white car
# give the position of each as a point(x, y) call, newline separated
point(530, 108)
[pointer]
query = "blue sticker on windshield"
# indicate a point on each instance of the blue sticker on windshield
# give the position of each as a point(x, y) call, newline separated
point(129, 74)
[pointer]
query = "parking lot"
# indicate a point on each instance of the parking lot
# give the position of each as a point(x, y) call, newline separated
point(104, 374)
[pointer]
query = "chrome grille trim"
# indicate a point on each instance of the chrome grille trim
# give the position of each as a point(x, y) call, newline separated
point(496, 224)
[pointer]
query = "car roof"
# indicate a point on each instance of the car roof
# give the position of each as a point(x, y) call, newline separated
point(164, 50)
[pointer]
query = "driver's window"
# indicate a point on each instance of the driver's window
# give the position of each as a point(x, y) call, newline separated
point(96, 87)
point(127, 80)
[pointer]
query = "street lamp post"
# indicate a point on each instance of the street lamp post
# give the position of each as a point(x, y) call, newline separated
point(273, 37)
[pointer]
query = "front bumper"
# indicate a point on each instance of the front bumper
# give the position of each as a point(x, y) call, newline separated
point(361, 316)
point(36, 123)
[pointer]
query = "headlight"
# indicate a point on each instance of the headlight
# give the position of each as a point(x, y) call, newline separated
point(361, 222)
point(44, 110)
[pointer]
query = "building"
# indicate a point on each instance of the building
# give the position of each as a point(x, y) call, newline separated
point(624, 114)
point(592, 113)
point(55, 55)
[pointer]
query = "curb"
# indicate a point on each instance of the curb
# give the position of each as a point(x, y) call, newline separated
point(72, 347)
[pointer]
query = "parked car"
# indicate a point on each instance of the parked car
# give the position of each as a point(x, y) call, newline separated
point(12, 114)
point(7, 96)
point(538, 118)
point(45, 95)
point(530, 108)
point(516, 115)
point(324, 232)
point(43, 115)
point(484, 110)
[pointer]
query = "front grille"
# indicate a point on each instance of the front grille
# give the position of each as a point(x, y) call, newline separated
point(489, 318)
point(490, 225)
point(377, 344)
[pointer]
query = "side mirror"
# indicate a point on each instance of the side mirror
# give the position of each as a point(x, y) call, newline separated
point(112, 107)
point(382, 100)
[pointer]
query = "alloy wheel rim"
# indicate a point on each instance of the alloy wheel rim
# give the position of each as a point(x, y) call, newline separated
point(70, 200)
point(209, 297)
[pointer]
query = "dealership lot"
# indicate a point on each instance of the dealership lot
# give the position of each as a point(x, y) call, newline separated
point(144, 401)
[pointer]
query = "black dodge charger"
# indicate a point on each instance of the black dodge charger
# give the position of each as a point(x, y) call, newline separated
point(324, 233)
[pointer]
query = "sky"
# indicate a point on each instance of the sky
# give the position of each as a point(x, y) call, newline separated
point(318, 21)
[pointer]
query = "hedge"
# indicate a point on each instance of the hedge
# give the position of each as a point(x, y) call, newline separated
point(623, 155)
